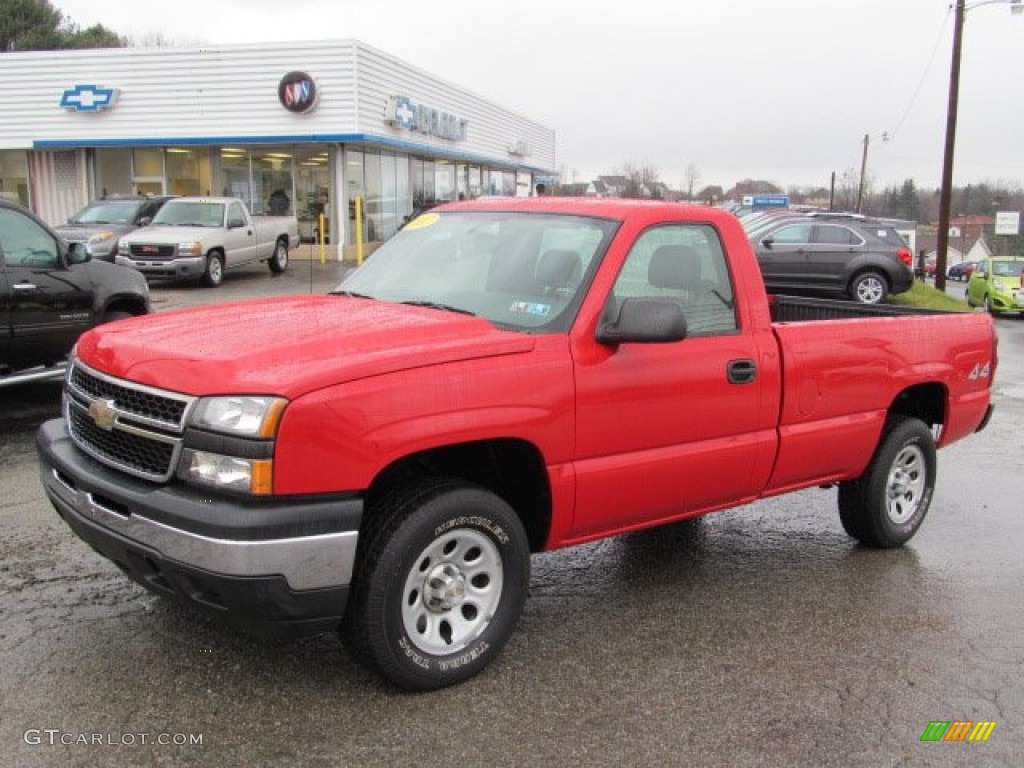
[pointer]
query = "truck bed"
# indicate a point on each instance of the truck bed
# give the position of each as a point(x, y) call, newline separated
point(787, 309)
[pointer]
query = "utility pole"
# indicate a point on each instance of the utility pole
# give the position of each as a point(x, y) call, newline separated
point(863, 169)
point(942, 244)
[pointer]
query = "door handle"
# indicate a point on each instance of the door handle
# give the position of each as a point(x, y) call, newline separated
point(741, 371)
point(25, 287)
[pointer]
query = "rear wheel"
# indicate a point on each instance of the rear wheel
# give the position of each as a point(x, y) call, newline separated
point(869, 288)
point(279, 261)
point(214, 274)
point(440, 585)
point(886, 505)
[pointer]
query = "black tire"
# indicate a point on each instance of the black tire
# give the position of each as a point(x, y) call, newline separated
point(989, 308)
point(213, 275)
point(869, 288)
point(439, 586)
point(886, 505)
point(279, 261)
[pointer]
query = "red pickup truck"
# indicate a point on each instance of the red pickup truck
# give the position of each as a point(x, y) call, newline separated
point(502, 377)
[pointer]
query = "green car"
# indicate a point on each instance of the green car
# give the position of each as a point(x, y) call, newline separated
point(995, 285)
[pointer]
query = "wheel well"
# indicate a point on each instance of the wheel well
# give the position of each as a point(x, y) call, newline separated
point(130, 304)
point(926, 402)
point(874, 270)
point(218, 250)
point(510, 468)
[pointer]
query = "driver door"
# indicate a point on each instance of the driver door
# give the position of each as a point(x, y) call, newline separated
point(48, 304)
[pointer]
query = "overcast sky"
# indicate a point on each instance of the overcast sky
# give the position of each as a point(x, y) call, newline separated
point(782, 90)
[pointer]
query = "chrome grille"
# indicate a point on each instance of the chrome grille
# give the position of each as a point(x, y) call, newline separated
point(131, 427)
point(153, 252)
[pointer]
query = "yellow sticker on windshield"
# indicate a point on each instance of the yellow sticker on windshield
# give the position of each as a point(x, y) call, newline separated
point(423, 220)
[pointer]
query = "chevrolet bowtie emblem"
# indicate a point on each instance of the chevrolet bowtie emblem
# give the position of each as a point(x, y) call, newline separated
point(103, 414)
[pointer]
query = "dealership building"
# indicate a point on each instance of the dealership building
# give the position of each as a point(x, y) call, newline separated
point(338, 126)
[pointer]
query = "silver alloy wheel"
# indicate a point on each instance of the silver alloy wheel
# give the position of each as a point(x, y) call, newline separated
point(214, 269)
point(452, 591)
point(870, 289)
point(906, 485)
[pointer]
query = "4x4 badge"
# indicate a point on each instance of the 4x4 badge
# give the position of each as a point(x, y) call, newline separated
point(103, 414)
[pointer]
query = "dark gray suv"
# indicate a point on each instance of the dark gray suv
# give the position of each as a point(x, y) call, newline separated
point(101, 223)
point(864, 259)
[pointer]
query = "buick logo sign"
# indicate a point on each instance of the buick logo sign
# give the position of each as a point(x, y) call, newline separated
point(297, 92)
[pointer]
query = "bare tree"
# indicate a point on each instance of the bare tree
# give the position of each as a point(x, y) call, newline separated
point(692, 179)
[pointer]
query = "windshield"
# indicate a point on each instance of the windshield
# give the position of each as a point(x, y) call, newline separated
point(1007, 268)
point(188, 214)
point(108, 212)
point(521, 271)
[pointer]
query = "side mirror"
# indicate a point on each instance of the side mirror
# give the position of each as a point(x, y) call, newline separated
point(644, 320)
point(236, 223)
point(768, 242)
point(145, 221)
point(78, 254)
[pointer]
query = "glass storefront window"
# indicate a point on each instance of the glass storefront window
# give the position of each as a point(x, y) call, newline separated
point(354, 187)
point(312, 186)
point(389, 220)
point(148, 171)
point(14, 176)
point(372, 201)
point(188, 171)
point(444, 181)
point(234, 173)
point(272, 189)
point(113, 172)
point(403, 191)
point(508, 183)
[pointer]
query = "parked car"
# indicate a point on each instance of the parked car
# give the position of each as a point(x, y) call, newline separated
point(101, 223)
point(50, 293)
point(506, 376)
point(842, 254)
point(996, 285)
point(961, 271)
point(201, 237)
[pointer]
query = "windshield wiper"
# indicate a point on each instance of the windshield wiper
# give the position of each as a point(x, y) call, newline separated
point(352, 295)
point(438, 305)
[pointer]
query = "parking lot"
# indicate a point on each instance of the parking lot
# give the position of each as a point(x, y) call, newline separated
point(758, 636)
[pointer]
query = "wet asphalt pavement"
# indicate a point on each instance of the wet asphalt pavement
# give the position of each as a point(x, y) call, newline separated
point(761, 636)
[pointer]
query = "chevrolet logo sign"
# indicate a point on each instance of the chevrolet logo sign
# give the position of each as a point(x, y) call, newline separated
point(103, 414)
point(88, 98)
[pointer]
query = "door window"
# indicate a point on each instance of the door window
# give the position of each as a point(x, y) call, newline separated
point(792, 234)
point(832, 234)
point(686, 263)
point(24, 243)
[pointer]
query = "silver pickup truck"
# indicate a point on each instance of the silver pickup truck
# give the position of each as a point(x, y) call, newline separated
point(203, 236)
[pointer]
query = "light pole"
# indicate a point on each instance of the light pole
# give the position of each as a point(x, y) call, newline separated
point(942, 245)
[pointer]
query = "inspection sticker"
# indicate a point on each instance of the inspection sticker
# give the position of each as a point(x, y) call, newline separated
point(530, 308)
point(423, 221)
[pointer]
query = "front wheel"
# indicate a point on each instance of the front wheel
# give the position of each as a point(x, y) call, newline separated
point(214, 274)
point(886, 505)
point(440, 586)
point(279, 261)
point(869, 288)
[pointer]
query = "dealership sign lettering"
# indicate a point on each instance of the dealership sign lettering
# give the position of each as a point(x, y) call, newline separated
point(402, 112)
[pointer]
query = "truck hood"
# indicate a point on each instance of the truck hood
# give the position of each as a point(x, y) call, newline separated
point(288, 346)
point(166, 234)
point(80, 233)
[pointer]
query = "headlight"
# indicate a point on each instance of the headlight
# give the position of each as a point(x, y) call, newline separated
point(253, 476)
point(100, 237)
point(242, 415)
point(190, 249)
point(230, 443)
point(124, 249)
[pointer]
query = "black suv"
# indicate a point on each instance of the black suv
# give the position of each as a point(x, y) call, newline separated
point(101, 223)
point(51, 292)
point(833, 253)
